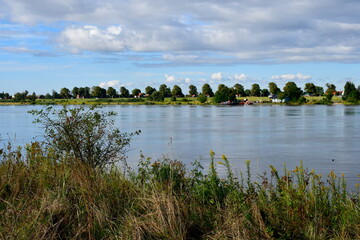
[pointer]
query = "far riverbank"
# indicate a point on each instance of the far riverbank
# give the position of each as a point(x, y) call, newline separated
point(167, 101)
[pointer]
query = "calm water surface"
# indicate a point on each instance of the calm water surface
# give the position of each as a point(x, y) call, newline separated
point(323, 137)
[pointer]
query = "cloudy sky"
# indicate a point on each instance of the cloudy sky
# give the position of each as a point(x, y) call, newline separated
point(51, 44)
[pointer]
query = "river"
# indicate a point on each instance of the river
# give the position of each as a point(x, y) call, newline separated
point(324, 138)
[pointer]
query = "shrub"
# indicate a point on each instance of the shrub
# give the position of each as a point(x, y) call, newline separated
point(84, 134)
point(202, 98)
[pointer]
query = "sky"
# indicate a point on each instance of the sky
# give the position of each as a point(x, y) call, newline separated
point(46, 45)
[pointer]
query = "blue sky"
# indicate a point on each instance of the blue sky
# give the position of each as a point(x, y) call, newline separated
point(51, 44)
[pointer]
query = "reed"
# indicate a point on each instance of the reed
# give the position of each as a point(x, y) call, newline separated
point(47, 196)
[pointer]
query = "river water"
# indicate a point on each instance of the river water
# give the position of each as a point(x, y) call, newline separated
point(324, 138)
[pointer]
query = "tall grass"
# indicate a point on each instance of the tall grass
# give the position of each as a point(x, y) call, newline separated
point(46, 196)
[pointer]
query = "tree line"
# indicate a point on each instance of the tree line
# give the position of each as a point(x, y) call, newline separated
point(291, 92)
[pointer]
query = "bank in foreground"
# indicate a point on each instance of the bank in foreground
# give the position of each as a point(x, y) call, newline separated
point(44, 195)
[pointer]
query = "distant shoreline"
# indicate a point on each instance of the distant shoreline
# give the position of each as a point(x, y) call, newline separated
point(143, 101)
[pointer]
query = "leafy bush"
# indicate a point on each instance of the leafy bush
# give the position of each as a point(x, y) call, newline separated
point(84, 134)
point(202, 98)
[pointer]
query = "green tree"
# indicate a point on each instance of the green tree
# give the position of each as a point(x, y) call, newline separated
point(207, 91)
point(20, 96)
point(331, 89)
point(65, 93)
point(85, 134)
point(247, 92)
point(264, 92)
point(255, 90)
point(55, 94)
point(48, 96)
point(319, 91)
point(310, 88)
point(157, 96)
point(75, 92)
point(136, 92)
point(98, 92)
point(193, 90)
point(354, 96)
point(4, 95)
point(82, 92)
point(149, 90)
point(166, 92)
point(239, 89)
point(348, 89)
point(111, 92)
point(273, 88)
point(32, 97)
point(124, 92)
point(224, 94)
point(177, 91)
point(86, 92)
point(292, 91)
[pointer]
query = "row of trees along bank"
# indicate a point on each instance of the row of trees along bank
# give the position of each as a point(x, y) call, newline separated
point(291, 92)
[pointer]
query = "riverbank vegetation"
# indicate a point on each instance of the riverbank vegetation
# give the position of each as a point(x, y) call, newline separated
point(291, 94)
point(47, 191)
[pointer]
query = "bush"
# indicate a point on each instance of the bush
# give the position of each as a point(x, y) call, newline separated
point(84, 134)
point(302, 100)
point(202, 98)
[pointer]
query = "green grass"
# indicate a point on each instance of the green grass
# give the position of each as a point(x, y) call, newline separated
point(46, 196)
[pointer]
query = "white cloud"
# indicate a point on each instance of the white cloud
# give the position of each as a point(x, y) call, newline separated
point(92, 38)
point(291, 77)
point(216, 76)
point(201, 31)
point(114, 84)
point(172, 80)
point(240, 77)
point(169, 78)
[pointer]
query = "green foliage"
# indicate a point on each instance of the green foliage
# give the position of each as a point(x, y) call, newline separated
point(83, 134)
point(292, 92)
point(354, 96)
point(157, 96)
point(124, 92)
point(264, 92)
point(176, 91)
point(273, 88)
point(44, 197)
point(224, 94)
point(255, 90)
point(149, 90)
point(98, 92)
point(111, 92)
point(193, 90)
point(302, 100)
point(207, 91)
point(202, 98)
point(319, 91)
point(20, 96)
point(239, 89)
point(165, 90)
point(65, 93)
point(136, 92)
point(351, 94)
point(331, 89)
point(310, 88)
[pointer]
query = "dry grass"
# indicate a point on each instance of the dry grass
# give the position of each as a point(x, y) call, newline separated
point(44, 197)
